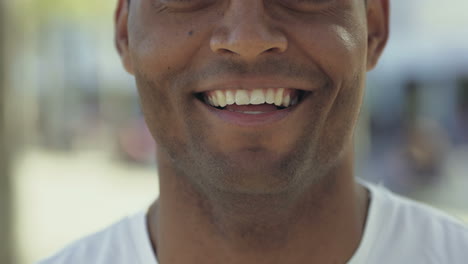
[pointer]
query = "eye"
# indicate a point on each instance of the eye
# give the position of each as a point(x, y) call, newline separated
point(186, 5)
point(307, 5)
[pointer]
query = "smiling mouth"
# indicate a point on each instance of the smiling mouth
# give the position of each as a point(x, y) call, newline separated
point(253, 102)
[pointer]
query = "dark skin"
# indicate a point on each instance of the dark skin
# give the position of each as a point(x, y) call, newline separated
point(279, 192)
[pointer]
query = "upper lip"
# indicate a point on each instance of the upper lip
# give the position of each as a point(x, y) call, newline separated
point(252, 83)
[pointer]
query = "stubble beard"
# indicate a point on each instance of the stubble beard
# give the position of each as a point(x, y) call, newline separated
point(256, 219)
point(210, 177)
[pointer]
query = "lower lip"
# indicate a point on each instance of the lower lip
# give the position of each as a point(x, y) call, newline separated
point(249, 120)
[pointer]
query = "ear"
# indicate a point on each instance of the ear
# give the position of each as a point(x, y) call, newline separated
point(121, 34)
point(378, 30)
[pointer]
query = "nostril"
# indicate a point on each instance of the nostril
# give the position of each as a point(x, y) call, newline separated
point(273, 50)
point(223, 51)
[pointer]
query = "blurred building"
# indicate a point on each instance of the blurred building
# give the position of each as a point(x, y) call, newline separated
point(7, 253)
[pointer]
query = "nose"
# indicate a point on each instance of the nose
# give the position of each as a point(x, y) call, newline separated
point(247, 32)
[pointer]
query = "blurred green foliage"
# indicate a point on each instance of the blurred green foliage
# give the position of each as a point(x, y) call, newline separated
point(69, 9)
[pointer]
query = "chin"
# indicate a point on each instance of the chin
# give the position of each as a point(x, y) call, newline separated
point(254, 171)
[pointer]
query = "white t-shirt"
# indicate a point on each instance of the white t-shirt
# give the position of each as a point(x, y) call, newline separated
point(397, 231)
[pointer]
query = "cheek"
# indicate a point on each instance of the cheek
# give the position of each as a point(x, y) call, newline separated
point(156, 106)
point(160, 52)
point(349, 42)
point(163, 43)
point(340, 52)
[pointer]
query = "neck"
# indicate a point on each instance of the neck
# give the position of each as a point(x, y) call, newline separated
point(322, 224)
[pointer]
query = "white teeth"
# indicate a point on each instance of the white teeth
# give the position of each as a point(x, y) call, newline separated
point(215, 100)
point(221, 98)
point(257, 97)
point(242, 97)
point(286, 100)
point(270, 96)
point(230, 99)
point(279, 97)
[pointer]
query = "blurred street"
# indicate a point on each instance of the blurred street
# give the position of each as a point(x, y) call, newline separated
point(54, 189)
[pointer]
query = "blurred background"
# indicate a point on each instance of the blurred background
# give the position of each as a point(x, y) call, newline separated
point(75, 154)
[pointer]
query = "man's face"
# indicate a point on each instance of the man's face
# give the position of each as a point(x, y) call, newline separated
point(249, 56)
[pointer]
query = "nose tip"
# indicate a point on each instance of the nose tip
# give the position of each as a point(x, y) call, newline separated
point(248, 47)
point(248, 41)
